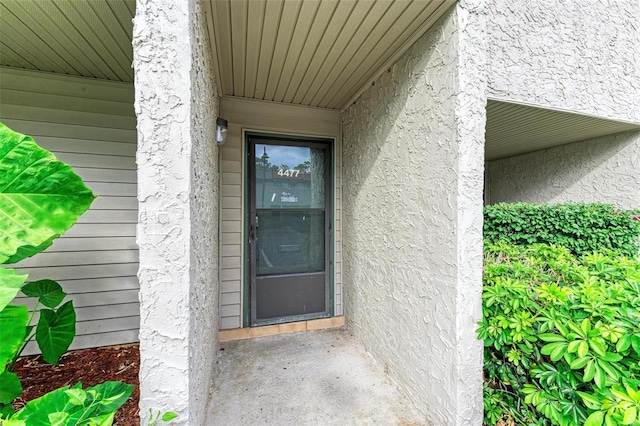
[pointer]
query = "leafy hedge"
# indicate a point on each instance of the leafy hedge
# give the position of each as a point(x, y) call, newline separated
point(561, 335)
point(582, 228)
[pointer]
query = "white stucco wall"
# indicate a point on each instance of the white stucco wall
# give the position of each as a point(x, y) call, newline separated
point(598, 170)
point(413, 179)
point(574, 55)
point(177, 193)
point(203, 337)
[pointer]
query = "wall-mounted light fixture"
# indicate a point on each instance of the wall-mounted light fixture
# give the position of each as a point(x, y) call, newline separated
point(221, 130)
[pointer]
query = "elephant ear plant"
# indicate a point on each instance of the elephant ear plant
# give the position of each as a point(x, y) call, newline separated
point(40, 199)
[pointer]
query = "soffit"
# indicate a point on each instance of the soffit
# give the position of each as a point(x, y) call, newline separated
point(311, 52)
point(515, 128)
point(84, 38)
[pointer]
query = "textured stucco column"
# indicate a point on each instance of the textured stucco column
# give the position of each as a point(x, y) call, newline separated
point(470, 118)
point(176, 106)
point(413, 159)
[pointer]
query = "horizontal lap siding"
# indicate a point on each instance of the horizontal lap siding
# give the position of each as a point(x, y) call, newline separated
point(337, 236)
point(91, 125)
point(231, 234)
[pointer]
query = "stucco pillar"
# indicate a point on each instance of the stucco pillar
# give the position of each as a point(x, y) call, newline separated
point(176, 105)
point(471, 117)
point(413, 159)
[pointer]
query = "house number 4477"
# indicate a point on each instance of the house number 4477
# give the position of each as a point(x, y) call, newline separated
point(288, 172)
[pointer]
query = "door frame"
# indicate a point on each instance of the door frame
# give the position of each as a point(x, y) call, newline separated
point(248, 192)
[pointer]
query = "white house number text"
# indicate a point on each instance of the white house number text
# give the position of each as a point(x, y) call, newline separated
point(288, 173)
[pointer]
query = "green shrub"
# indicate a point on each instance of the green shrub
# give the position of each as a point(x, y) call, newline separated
point(582, 228)
point(562, 337)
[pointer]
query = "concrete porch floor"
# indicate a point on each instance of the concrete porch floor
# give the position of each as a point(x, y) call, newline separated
point(312, 378)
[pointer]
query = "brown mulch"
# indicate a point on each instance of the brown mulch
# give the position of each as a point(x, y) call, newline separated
point(89, 366)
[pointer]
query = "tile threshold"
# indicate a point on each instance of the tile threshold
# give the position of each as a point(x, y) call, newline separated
point(272, 330)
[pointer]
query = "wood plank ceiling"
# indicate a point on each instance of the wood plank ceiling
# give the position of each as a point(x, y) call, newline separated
point(84, 38)
point(514, 128)
point(319, 53)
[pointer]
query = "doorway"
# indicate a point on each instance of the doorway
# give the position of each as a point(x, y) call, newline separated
point(289, 229)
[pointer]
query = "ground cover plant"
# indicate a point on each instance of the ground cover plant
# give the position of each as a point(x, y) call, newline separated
point(40, 199)
point(561, 335)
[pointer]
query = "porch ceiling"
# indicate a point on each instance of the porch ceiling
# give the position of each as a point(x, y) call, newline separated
point(311, 52)
point(85, 38)
point(515, 128)
point(320, 53)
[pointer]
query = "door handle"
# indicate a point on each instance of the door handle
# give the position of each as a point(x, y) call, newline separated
point(252, 233)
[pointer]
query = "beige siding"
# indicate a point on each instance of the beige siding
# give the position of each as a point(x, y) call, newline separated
point(247, 115)
point(91, 125)
point(338, 228)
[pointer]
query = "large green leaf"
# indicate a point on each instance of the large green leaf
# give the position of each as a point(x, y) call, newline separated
point(48, 292)
point(12, 423)
point(28, 251)
point(6, 410)
point(111, 396)
point(102, 420)
point(40, 197)
point(36, 412)
point(102, 401)
point(13, 328)
point(99, 404)
point(10, 284)
point(58, 419)
point(55, 331)
point(10, 387)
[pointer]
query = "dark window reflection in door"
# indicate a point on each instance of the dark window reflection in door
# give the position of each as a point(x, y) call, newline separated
point(289, 177)
point(290, 242)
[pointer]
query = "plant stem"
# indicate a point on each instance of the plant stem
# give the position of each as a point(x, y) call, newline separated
point(26, 340)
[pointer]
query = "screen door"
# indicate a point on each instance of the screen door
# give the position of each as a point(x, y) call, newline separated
point(289, 229)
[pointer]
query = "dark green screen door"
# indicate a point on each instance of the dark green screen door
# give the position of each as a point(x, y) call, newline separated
point(289, 229)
